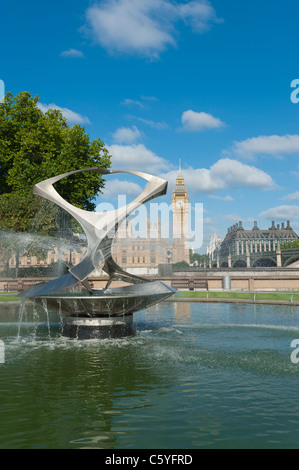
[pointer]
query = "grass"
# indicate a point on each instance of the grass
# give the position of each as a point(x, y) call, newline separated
point(9, 297)
point(288, 296)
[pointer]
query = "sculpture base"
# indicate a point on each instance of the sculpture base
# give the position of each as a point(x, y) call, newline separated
point(98, 327)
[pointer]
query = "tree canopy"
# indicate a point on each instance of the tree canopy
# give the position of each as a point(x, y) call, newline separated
point(288, 245)
point(35, 146)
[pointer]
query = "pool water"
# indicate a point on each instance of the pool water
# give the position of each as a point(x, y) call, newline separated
point(195, 375)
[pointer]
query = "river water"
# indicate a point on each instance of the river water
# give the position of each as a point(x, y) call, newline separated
point(194, 375)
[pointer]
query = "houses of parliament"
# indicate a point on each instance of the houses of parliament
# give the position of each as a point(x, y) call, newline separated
point(142, 255)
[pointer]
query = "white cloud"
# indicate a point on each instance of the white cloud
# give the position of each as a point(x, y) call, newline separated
point(292, 196)
point(115, 187)
point(222, 198)
point(199, 14)
point(137, 157)
point(72, 53)
point(145, 27)
point(193, 121)
point(70, 115)
point(129, 102)
point(232, 218)
point(154, 124)
point(225, 173)
point(126, 135)
point(273, 145)
point(282, 213)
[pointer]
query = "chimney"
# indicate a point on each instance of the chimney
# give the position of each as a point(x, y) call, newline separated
point(288, 225)
point(282, 225)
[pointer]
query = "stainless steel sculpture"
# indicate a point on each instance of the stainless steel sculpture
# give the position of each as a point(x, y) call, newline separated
point(91, 310)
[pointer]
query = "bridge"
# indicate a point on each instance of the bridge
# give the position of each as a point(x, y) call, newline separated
point(275, 258)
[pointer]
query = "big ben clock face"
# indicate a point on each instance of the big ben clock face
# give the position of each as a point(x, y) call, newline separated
point(179, 203)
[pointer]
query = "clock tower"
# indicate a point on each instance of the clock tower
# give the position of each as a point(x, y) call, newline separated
point(180, 210)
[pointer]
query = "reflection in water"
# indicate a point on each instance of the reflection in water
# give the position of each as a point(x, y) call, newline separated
point(194, 375)
point(182, 311)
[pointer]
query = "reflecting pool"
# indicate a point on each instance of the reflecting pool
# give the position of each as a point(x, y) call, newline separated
point(195, 375)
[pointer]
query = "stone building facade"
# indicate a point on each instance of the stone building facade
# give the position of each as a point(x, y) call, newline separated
point(239, 241)
point(214, 246)
point(142, 255)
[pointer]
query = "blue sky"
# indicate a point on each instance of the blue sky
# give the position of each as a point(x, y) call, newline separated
point(207, 82)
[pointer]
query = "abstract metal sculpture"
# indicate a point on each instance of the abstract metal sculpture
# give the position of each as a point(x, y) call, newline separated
point(90, 311)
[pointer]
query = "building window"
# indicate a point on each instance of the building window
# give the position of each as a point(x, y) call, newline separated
point(124, 259)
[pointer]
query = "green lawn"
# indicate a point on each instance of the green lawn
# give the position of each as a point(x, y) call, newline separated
point(288, 296)
point(9, 297)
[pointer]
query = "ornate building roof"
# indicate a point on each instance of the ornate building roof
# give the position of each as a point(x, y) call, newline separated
point(237, 235)
point(180, 182)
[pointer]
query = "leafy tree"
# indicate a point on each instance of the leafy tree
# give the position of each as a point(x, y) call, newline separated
point(35, 146)
point(288, 245)
point(181, 264)
point(197, 257)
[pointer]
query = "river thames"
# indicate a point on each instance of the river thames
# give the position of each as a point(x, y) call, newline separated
point(193, 376)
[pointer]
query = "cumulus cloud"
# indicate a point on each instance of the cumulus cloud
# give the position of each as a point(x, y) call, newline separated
point(72, 53)
point(222, 198)
point(116, 187)
point(126, 135)
point(137, 157)
point(273, 145)
point(70, 115)
point(281, 213)
point(225, 173)
point(145, 27)
point(292, 196)
point(193, 121)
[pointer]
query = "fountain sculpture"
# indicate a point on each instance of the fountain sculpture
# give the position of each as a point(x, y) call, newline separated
point(99, 313)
